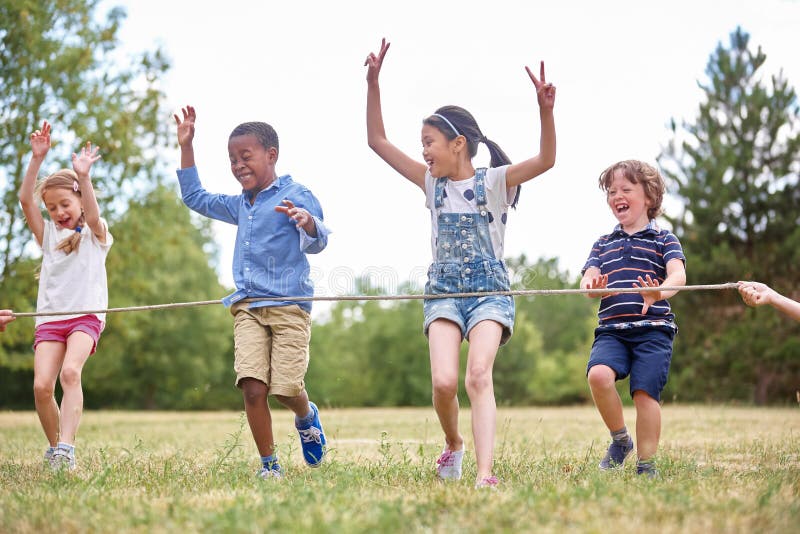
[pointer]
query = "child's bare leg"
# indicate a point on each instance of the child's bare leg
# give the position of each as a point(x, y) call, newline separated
point(606, 399)
point(648, 424)
point(47, 361)
point(484, 340)
point(259, 417)
point(444, 339)
point(79, 345)
point(298, 404)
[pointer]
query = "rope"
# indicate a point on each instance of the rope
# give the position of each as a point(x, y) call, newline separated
point(512, 293)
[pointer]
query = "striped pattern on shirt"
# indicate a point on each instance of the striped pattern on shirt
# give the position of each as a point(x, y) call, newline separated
point(624, 258)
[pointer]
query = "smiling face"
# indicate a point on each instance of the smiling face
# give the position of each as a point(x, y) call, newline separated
point(63, 205)
point(628, 202)
point(438, 152)
point(251, 163)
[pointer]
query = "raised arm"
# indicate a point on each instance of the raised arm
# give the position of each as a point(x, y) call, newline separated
point(40, 145)
point(186, 135)
point(376, 135)
point(523, 171)
point(81, 164)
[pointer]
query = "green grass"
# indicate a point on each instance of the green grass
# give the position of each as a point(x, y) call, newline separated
point(724, 469)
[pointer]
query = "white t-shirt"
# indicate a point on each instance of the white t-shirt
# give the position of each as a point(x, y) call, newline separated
point(460, 198)
point(76, 281)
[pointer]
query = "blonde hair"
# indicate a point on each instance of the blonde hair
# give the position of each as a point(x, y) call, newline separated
point(64, 179)
point(638, 172)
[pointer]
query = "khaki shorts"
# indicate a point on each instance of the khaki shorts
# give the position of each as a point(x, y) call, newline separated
point(271, 345)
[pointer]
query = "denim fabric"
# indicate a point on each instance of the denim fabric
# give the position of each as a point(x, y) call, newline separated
point(465, 263)
point(269, 257)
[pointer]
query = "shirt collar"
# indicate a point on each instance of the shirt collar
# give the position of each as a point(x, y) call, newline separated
point(651, 228)
point(277, 183)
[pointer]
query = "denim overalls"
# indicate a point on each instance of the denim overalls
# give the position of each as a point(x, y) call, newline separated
point(465, 263)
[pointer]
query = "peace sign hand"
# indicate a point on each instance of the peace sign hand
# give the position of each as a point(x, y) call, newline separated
point(545, 92)
point(374, 62)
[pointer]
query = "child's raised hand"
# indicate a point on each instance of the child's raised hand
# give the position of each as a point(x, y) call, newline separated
point(186, 126)
point(40, 140)
point(649, 297)
point(82, 162)
point(545, 92)
point(374, 62)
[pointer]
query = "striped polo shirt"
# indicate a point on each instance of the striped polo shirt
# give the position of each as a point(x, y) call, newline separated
point(625, 257)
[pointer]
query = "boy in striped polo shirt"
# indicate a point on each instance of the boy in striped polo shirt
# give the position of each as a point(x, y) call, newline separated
point(636, 330)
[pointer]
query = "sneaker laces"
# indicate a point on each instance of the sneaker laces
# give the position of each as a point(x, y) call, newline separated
point(311, 434)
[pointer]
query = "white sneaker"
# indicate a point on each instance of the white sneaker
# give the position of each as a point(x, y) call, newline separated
point(448, 466)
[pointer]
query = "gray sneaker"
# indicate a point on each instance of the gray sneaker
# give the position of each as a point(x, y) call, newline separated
point(61, 459)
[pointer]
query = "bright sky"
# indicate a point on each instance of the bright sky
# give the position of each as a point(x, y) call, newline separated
point(622, 71)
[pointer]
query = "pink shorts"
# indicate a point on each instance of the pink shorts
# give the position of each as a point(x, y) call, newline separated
point(60, 330)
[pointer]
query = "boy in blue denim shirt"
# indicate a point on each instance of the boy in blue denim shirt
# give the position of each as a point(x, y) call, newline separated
point(279, 221)
point(635, 331)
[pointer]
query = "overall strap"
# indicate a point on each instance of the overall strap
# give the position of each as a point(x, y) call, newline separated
point(438, 196)
point(480, 186)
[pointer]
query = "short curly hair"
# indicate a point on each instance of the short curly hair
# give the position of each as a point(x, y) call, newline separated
point(638, 172)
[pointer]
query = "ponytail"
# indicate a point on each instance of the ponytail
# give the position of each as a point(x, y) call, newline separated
point(71, 243)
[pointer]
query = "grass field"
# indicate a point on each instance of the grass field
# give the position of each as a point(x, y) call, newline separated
point(723, 469)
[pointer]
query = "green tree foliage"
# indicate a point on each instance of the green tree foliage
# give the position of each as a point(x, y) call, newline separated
point(178, 358)
point(58, 61)
point(735, 170)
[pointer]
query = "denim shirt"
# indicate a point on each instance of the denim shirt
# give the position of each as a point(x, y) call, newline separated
point(269, 258)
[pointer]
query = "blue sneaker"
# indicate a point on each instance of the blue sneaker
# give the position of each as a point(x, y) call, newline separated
point(616, 454)
point(273, 470)
point(312, 438)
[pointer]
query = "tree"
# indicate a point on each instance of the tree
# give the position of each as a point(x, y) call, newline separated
point(58, 61)
point(735, 170)
point(179, 358)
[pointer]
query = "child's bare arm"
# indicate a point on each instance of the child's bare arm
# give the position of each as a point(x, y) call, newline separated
point(40, 145)
point(412, 170)
point(758, 294)
point(81, 164)
point(523, 171)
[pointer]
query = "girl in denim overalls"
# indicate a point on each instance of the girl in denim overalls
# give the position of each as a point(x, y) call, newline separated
point(468, 216)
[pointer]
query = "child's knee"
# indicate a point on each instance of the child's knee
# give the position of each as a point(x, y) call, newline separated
point(478, 380)
point(445, 386)
point(601, 377)
point(43, 389)
point(70, 376)
point(253, 391)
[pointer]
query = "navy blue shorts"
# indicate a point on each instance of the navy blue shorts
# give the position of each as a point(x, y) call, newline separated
point(642, 353)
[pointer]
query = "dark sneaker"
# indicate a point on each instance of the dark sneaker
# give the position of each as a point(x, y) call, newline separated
point(647, 470)
point(273, 470)
point(616, 454)
point(312, 438)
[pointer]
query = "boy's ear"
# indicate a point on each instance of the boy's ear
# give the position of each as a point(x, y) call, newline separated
point(272, 154)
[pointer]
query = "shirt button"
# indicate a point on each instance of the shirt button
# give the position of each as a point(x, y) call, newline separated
point(483, 214)
point(464, 246)
point(247, 243)
point(467, 270)
point(463, 217)
point(250, 217)
point(466, 259)
point(463, 232)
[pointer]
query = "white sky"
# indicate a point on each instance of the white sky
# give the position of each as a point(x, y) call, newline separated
point(622, 70)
